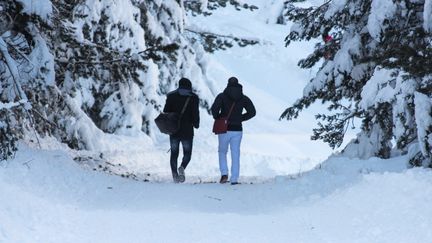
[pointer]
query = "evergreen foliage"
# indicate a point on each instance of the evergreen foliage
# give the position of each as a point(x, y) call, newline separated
point(380, 62)
point(74, 69)
point(213, 42)
point(205, 7)
point(216, 41)
point(78, 67)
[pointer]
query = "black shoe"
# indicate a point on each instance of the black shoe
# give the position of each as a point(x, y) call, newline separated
point(176, 178)
point(224, 179)
point(234, 183)
point(181, 174)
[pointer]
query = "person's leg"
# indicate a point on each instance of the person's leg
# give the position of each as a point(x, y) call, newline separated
point(223, 150)
point(187, 152)
point(175, 144)
point(235, 142)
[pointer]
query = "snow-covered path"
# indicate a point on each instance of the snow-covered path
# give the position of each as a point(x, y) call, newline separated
point(47, 197)
point(270, 76)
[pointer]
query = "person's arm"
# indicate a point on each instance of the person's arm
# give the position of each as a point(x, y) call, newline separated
point(216, 107)
point(250, 109)
point(168, 105)
point(195, 112)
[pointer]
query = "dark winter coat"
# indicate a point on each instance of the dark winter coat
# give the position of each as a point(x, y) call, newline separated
point(223, 102)
point(190, 119)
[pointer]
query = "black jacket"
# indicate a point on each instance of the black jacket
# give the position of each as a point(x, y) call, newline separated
point(190, 119)
point(223, 102)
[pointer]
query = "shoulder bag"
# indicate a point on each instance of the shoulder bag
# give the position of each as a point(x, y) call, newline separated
point(169, 122)
point(220, 125)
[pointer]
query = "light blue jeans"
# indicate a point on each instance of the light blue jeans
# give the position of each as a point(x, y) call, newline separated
point(233, 139)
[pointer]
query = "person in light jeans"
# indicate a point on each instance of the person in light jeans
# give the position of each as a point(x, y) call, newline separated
point(233, 140)
point(230, 104)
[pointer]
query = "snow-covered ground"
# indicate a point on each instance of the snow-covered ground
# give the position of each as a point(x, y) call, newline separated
point(270, 76)
point(47, 197)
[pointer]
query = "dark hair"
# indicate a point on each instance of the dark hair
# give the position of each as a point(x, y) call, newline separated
point(185, 83)
point(233, 80)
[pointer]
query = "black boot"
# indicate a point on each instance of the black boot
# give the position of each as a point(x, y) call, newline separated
point(175, 178)
point(181, 174)
point(223, 179)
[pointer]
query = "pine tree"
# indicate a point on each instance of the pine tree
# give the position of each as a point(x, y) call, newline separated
point(75, 69)
point(86, 68)
point(379, 56)
point(105, 57)
point(26, 71)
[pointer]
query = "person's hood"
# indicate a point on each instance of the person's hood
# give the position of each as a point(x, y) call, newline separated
point(234, 91)
point(185, 83)
point(184, 92)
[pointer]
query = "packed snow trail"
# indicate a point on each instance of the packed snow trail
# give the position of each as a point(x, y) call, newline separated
point(47, 197)
point(270, 76)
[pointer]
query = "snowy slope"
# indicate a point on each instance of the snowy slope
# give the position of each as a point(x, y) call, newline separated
point(271, 78)
point(47, 197)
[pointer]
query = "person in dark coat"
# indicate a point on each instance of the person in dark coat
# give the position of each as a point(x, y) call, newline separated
point(232, 95)
point(190, 119)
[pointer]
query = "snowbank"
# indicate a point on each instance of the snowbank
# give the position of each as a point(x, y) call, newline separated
point(50, 198)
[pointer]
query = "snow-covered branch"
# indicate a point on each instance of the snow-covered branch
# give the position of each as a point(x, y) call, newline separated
point(213, 41)
point(11, 105)
point(380, 59)
point(12, 66)
point(208, 33)
point(126, 57)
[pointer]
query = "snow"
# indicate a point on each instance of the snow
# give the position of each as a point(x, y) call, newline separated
point(423, 109)
point(380, 11)
point(288, 194)
point(371, 89)
point(42, 8)
point(12, 67)
point(270, 77)
point(335, 6)
point(366, 144)
point(50, 198)
point(82, 127)
point(320, 80)
point(10, 105)
point(343, 59)
point(42, 61)
point(427, 16)
point(384, 87)
point(121, 16)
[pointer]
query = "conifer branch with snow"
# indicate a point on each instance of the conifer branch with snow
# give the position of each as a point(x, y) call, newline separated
point(91, 67)
point(381, 56)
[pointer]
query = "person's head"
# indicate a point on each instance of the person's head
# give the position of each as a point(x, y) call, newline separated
point(185, 83)
point(234, 90)
point(233, 82)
